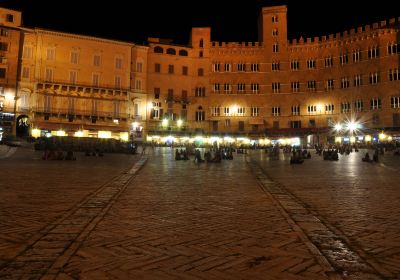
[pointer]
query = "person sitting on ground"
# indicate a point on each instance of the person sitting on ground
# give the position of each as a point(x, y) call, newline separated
point(376, 156)
point(366, 157)
point(197, 156)
point(177, 155)
point(185, 155)
point(70, 155)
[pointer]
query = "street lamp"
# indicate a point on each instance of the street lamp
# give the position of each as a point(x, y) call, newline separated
point(179, 123)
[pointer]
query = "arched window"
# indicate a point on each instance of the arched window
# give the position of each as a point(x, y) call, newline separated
point(158, 49)
point(171, 51)
point(201, 54)
point(183, 53)
point(201, 44)
point(200, 114)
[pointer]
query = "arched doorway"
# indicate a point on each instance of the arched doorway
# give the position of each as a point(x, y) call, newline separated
point(22, 126)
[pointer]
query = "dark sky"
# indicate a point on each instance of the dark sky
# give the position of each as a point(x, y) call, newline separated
point(230, 20)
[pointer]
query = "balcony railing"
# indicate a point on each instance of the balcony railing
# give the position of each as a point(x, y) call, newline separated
point(82, 88)
point(82, 113)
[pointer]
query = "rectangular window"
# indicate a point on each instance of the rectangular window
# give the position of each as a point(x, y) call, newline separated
point(345, 107)
point(27, 52)
point(227, 123)
point(216, 88)
point(241, 125)
point(3, 32)
point(255, 111)
point(328, 61)
point(227, 88)
point(276, 87)
point(49, 75)
point(329, 84)
point(9, 18)
point(2, 73)
point(96, 60)
point(117, 82)
point(255, 88)
point(25, 72)
point(241, 67)
point(359, 105)
point(374, 78)
point(170, 69)
point(74, 57)
point(185, 70)
point(118, 63)
point(139, 67)
point(311, 109)
point(71, 105)
point(255, 67)
point(215, 111)
point(312, 85)
point(356, 55)
point(156, 93)
point(295, 124)
point(295, 86)
point(116, 109)
point(275, 66)
point(395, 102)
point(393, 49)
point(376, 103)
point(200, 72)
point(329, 108)
point(275, 48)
point(170, 96)
point(47, 103)
point(138, 84)
point(51, 54)
point(344, 59)
point(228, 67)
point(95, 79)
point(226, 111)
point(73, 77)
point(294, 64)
point(311, 64)
point(3, 46)
point(373, 52)
point(296, 110)
point(357, 80)
point(275, 124)
point(200, 91)
point(94, 107)
point(276, 111)
point(216, 67)
point(200, 116)
point(394, 75)
point(157, 68)
point(241, 87)
point(344, 83)
point(241, 111)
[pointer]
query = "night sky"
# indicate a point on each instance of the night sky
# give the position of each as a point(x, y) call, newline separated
point(229, 20)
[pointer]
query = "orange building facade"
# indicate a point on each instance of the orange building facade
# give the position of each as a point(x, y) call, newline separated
point(271, 88)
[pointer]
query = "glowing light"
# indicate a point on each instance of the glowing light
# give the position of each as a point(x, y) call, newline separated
point(319, 107)
point(352, 139)
point(150, 105)
point(135, 125)
point(116, 121)
point(164, 123)
point(179, 123)
point(390, 138)
point(35, 132)
point(149, 138)
point(229, 139)
point(267, 141)
point(382, 136)
point(9, 95)
point(48, 134)
point(79, 133)
point(338, 139)
point(60, 133)
point(104, 134)
point(124, 136)
point(234, 109)
point(352, 126)
point(338, 127)
point(211, 140)
point(368, 138)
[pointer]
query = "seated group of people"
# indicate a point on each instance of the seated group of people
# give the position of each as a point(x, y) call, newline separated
point(59, 155)
point(95, 152)
point(375, 157)
point(330, 154)
point(181, 155)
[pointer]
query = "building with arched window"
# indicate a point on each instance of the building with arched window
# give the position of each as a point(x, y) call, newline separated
point(270, 88)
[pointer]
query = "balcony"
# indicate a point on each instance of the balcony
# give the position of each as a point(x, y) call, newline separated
point(80, 113)
point(65, 86)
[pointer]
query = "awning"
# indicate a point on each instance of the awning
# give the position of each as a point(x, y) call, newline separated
point(256, 121)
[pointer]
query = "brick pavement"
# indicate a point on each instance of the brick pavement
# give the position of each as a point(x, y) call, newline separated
point(180, 220)
point(251, 218)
